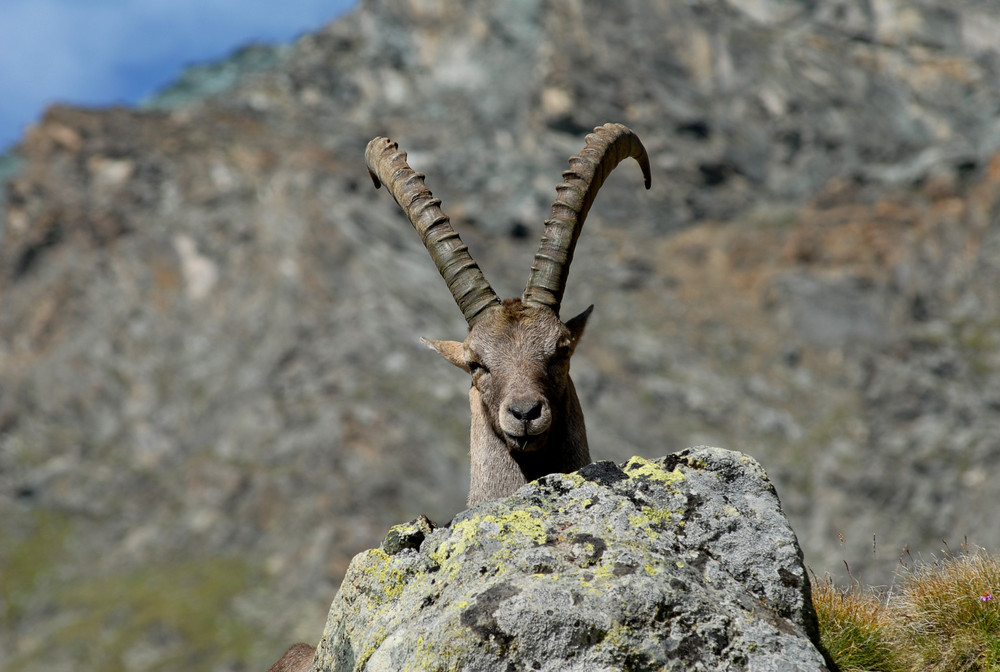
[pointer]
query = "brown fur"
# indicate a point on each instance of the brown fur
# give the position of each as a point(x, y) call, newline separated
point(526, 416)
point(298, 658)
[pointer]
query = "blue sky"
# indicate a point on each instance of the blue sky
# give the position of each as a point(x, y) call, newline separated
point(104, 52)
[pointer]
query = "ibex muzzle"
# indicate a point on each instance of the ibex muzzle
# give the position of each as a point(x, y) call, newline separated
point(526, 417)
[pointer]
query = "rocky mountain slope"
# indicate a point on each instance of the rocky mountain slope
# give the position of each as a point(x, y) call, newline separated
point(212, 393)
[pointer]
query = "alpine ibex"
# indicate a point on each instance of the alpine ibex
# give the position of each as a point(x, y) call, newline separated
point(526, 417)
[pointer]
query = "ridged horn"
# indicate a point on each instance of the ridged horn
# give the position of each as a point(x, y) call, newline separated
point(473, 293)
point(606, 147)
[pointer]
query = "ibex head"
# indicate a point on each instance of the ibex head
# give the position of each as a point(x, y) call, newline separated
point(526, 418)
point(518, 357)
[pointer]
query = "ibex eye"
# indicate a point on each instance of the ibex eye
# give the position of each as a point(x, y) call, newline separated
point(476, 367)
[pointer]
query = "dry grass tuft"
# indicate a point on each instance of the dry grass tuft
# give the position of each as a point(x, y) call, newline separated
point(944, 616)
point(855, 628)
point(947, 615)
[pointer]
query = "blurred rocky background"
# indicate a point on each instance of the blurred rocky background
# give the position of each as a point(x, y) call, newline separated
point(212, 392)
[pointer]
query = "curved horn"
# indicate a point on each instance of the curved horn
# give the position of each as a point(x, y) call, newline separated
point(606, 147)
point(387, 165)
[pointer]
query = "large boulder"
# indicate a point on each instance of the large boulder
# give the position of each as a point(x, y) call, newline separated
point(686, 562)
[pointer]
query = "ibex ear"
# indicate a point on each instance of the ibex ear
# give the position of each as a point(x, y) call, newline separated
point(576, 326)
point(453, 351)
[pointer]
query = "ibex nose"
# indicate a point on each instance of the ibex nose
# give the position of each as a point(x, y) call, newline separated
point(526, 412)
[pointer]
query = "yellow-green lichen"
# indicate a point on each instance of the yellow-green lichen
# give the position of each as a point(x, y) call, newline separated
point(405, 528)
point(575, 479)
point(596, 574)
point(641, 467)
point(650, 518)
point(547, 576)
point(505, 528)
point(439, 652)
point(370, 647)
point(582, 503)
point(522, 522)
point(617, 637)
point(379, 566)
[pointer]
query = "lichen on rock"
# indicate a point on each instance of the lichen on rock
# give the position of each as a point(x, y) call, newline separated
point(684, 562)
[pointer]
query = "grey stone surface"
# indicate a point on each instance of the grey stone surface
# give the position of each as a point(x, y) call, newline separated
point(681, 563)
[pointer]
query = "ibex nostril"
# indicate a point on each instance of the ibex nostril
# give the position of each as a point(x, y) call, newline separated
point(526, 413)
